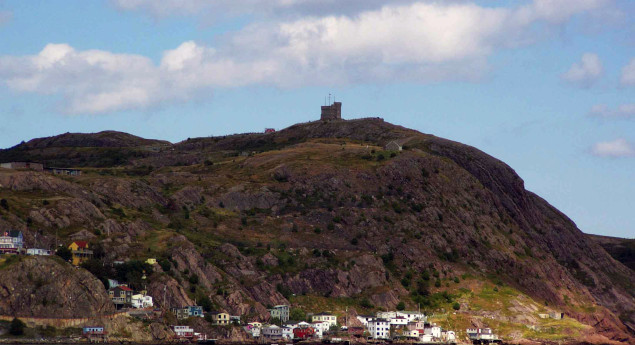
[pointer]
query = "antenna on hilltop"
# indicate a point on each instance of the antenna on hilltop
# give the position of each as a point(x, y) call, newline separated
point(329, 98)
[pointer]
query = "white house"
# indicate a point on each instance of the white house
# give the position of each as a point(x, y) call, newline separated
point(254, 331)
point(183, 331)
point(412, 333)
point(330, 318)
point(398, 321)
point(142, 301)
point(272, 332)
point(426, 338)
point(379, 328)
point(320, 327)
point(287, 333)
point(411, 315)
point(448, 336)
point(386, 314)
point(280, 312)
point(38, 251)
point(433, 330)
point(364, 319)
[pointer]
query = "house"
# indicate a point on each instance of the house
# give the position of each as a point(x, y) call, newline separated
point(80, 252)
point(448, 336)
point(22, 165)
point(543, 316)
point(64, 171)
point(219, 318)
point(398, 321)
point(379, 328)
point(94, 333)
point(151, 261)
point(416, 325)
point(287, 332)
point(180, 313)
point(194, 311)
point(326, 317)
point(433, 330)
point(234, 319)
point(320, 327)
point(38, 251)
point(304, 332)
point(272, 332)
point(183, 332)
point(556, 315)
point(393, 146)
point(412, 315)
point(364, 319)
point(141, 301)
point(11, 242)
point(386, 314)
point(280, 312)
point(121, 296)
point(253, 328)
point(270, 130)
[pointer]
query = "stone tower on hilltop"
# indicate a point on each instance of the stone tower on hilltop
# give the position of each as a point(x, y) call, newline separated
point(332, 112)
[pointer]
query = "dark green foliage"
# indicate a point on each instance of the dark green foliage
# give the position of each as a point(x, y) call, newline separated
point(165, 264)
point(365, 303)
point(206, 303)
point(64, 253)
point(380, 157)
point(317, 230)
point(401, 306)
point(437, 283)
point(5, 204)
point(193, 279)
point(456, 306)
point(297, 314)
point(17, 327)
point(354, 241)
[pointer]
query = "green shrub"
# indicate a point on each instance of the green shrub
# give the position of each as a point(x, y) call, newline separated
point(17, 326)
point(401, 306)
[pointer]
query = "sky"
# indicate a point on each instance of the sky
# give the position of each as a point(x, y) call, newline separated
point(547, 86)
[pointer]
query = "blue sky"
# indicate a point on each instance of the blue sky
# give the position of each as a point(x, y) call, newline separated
point(547, 86)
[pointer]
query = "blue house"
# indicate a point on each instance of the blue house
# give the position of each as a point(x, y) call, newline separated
point(194, 310)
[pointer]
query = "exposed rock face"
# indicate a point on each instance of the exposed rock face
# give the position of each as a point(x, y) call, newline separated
point(46, 287)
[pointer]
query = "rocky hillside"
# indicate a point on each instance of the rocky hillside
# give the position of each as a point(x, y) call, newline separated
point(319, 215)
point(50, 288)
point(621, 249)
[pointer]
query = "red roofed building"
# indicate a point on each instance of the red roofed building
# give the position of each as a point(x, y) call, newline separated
point(303, 333)
point(80, 252)
point(121, 296)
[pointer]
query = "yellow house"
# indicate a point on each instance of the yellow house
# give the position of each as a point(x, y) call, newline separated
point(80, 252)
point(151, 261)
point(220, 318)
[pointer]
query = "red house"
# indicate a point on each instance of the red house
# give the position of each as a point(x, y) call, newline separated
point(303, 333)
point(270, 130)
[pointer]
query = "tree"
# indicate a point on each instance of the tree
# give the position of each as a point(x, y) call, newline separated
point(401, 306)
point(17, 327)
point(297, 314)
point(64, 253)
point(456, 306)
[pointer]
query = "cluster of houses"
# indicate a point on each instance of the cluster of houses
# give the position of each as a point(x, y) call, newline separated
point(12, 242)
point(40, 167)
point(409, 325)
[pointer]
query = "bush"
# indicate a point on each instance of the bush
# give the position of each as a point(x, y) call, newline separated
point(401, 306)
point(64, 253)
point(365, 303)
point(437, 283)
point(456, 306)
point(5, 204)
point(17, 327)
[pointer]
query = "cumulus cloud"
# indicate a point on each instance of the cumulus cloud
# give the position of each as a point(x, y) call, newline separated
point(5, 17)
point(628, 74)
point(586, 72)
point(415, 42)
point(615, 149)
point(624, 111)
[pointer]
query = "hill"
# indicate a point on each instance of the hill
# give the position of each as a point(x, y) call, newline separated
point(621, 249)
point(103, 149)
point(321, 216)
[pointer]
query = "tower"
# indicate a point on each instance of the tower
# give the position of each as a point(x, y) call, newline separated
point(332, 112)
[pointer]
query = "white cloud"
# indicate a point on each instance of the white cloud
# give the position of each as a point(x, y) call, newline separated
point(586, 72)
point(5, 17)
point(417, 42)
point(624, 111)
point(628, 74)
point(615, 149)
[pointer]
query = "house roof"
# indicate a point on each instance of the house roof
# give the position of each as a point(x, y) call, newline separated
point(15, 233)
point(324, 314)
point(124, 288)
point(81, 244)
